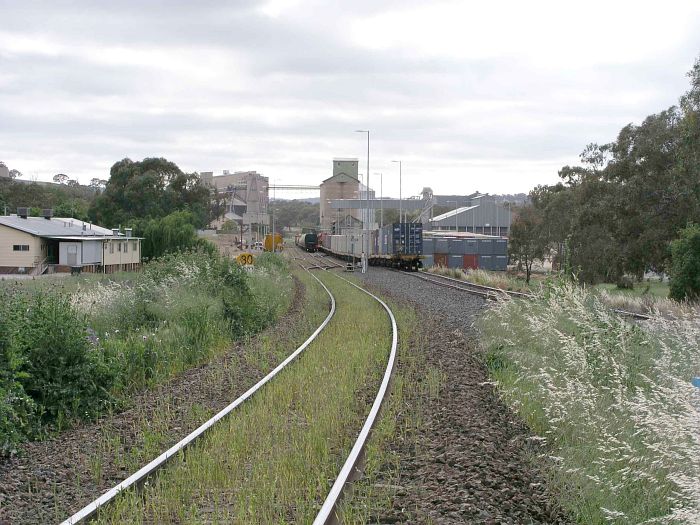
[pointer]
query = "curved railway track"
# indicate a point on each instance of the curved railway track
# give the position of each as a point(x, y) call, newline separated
point(353, 462)
point(148, 470)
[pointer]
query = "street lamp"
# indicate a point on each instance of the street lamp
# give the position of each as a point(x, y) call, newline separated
point(367, 189)
point(400, 204)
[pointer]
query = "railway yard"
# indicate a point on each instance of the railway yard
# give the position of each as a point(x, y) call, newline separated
point(291, 448)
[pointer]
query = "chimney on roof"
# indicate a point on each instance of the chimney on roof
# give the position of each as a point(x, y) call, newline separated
point(47, 213)
point(115, 231)
point(22, 213)
point(128, 232)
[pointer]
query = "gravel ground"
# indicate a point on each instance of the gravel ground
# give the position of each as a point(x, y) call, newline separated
point(470, 460)
point(50, 480)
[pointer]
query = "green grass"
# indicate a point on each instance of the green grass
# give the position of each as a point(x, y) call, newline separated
point(651, 288)
point(274, 460)
point(612, 400)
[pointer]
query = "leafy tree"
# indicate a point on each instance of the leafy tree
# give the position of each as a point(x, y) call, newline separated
point(98, 184)
point(528, 241)
point(15, 174)
point(297, 213)
point(618, 211)
point(685, 264)
point(149, 189)
point(169, 234)
point(60, 178)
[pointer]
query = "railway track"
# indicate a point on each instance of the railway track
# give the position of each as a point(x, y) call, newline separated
point(491, 293)
point(317, 260)
point(139, 477)
point(353, 462)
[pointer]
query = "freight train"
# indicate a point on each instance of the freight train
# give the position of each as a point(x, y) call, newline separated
point(307, 241)
point(398, 245)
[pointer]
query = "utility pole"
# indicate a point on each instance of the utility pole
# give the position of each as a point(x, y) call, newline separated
point(381, 200)
point(366, 249)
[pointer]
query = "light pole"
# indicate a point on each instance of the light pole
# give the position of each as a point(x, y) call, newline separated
point(364, 266)
point(400, 203)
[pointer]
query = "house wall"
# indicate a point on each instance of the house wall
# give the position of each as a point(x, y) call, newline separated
point(70, 253)
point(20, 259)
point(116, 251)
point(92, 252)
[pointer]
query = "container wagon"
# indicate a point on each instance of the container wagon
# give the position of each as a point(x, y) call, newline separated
point(398, 245)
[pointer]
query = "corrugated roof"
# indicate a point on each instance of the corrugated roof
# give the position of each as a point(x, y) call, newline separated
point(92, 237)
point(452, 213)
point(54, 227)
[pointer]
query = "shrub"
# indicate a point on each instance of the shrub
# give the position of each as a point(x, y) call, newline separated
point(65, 373)
point(685, 264)
point(17, 410)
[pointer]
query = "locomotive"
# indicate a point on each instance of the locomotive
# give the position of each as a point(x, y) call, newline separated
point(307, 241)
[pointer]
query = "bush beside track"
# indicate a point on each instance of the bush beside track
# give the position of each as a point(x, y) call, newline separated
point(75, 349)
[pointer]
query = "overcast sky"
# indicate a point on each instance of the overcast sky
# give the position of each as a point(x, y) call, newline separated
point(488, 96)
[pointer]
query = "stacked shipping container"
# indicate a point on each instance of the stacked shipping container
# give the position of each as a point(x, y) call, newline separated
point(399, 238)
point(466, 253)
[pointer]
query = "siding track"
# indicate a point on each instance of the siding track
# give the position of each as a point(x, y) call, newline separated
point(491, 293)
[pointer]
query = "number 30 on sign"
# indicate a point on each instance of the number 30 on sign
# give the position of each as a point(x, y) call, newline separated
point(245, 259)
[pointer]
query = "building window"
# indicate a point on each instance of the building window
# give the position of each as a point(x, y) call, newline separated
point(119, 246)
point(134, 245)
point(20, 247)
point(111, 247)
point(126, 247)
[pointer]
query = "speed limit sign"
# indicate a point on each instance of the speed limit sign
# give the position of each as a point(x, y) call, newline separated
point(245, 259)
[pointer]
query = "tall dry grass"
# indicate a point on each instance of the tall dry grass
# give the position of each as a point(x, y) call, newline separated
point(613, 400)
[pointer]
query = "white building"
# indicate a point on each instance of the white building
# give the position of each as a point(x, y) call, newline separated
point(36, 245)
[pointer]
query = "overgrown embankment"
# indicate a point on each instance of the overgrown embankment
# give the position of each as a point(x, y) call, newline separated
point(612, 399)
point(74, 350)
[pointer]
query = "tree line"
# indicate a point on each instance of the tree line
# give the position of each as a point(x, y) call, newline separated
point(618, 213)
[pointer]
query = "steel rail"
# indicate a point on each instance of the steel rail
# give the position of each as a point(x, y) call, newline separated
point(480, 286)
point(141, 475)
point(485, 294)
point(326, 515)
point(509, 293)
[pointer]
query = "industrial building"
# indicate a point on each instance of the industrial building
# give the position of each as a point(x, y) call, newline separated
point(246, 195)
point(480, 214)
point(343, 184)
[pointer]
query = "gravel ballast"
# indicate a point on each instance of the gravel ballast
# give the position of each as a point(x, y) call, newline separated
point(470, 461)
